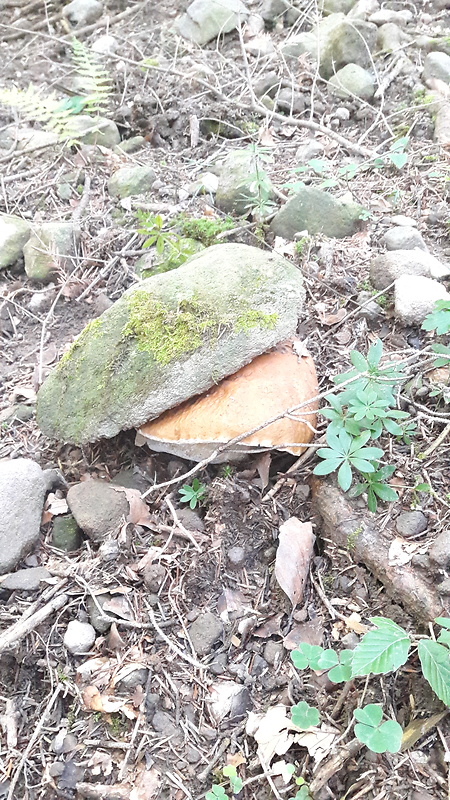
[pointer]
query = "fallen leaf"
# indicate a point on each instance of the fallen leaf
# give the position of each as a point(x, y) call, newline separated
point(266, 137)
point(329, 319)
point(138, 696)
point(235, 759)
point(114, 640)
point(353, 623)
point(275, 733)
point(294, 554)
point(100, 762)
point(231, 601)
point(221, 699)
point(119, 606)
point(138, 513)
point(56, 505)
point(95, 701)
point(146, 785)
point(49, 354)
point(270, 627)
point(310, 632)
point(262, 464)
point(26, 393)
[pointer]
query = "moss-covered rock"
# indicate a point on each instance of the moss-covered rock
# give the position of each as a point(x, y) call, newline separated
point(171, 337)
point(316, 211)
point(129, 181)
point(14, 233)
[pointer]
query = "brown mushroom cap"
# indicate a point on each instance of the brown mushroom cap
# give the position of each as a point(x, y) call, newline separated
point(269, 385)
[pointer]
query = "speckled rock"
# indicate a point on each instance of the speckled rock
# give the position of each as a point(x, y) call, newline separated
point(317, 211)
point(159, 345)
point(403, 237)
point(353, 80)
point(387, 267)
point(411, 523)
point(436, 65)
point(79, 637)
point(204, 632)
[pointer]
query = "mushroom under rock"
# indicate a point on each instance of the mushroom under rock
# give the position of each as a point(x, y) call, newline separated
point(271, 384)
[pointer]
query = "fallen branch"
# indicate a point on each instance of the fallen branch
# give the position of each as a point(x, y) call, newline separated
point(23, 627)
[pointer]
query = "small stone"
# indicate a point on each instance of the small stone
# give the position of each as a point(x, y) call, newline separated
point(66, 534)
point(235, 189)
point(101, 303)
point(190, 520)
point(273, 652)
point(272, 10)
point(95, 131)
point(439, 551)
point(204, 632)
point(98, 509)
point(312, 148)
point(370, 309)
point(350, 640)
point(444, 586)
point(386, 268)
point(163, 723)
point(95, 616)
point(41, 301)
point(25, 580)
point(291, 102)
point(154, 576)
point(385, 15)
point(206, 19)
point(193, 756)
point(79, 637)
point(219, 665)
point(130, 181)
point(363, 9)
point(411, 523)
point(51, 247)
point(14, 234)
point(401, 219)
point(415, 297)
point(82, 12)
point(23, 413)
point(105, 45)
point(131, 145)
point(109, 550)
point(353, 80)
point(317, 211)
point(403, 238)
point(130, 480)
point(436, 65)
point(259, 666)
point(138, 677)
point(389, 38)
point(236, 556)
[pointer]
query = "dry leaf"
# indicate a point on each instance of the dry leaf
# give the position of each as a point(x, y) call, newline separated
point(119, 606)
point(294, 554)
point(262, 464)
point(275, 733)
point(266, 137)
point(94, 701)
point(231, 601)
point(235, 760)
point(56, 505)
point(138, 513)
point(114, 640)
point(100, 762)
point(353, 623)
point(270, 627)
point(221, 699)
point(329, 319)
point(311, 632)
point(146, 785)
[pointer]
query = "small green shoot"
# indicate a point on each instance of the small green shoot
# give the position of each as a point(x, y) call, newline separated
point(192, 494)
point(373, 484)
point(304, 716)
point(345, 452)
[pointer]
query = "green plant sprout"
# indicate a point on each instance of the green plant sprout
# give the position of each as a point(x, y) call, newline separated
point(381, 650)
point(152, 226)
point(192, 494)
point(217, 791)
point(261, 204)
point(439, 321)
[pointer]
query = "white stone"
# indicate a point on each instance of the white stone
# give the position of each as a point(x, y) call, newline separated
point(105, 45)
point(83, 12)
point(79, 637)
point(415, 296)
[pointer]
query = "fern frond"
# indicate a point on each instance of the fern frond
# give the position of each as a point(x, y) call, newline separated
point(36, 106)
point(98, 88)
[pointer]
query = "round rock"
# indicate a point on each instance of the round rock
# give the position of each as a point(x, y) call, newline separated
point(205, 632)
point(411, 523)
point(403, 238)
point(79, 637)
point(99, 510)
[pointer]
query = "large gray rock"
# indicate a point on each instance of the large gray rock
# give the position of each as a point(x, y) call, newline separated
point(415, 297)
point(206, 19)
point(129, 181)
point(51, 247)
point(386, 268)
point(335, 41)
point(98, 509)
point(14, 233)
point(353, 80)
point(317, 211)
point(23, 486)
point(336, 6)
point(436, 65)
point(169, 338)
point(236, 191)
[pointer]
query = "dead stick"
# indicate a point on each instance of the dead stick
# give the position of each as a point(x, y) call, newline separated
point(24, 626)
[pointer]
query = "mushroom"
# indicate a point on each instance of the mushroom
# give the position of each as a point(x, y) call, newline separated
point(270, 385)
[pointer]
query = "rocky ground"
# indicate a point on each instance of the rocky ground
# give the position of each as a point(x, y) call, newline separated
point(138, 634)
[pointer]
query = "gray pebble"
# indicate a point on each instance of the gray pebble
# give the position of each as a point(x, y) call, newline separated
point(236, 556)
point(25, 580)
point(411, 523)
point(79, 637)
point(205, 632)
point(273, 652)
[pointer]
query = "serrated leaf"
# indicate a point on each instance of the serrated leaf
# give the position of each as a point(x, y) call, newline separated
point(435, 661)
point(382, 650)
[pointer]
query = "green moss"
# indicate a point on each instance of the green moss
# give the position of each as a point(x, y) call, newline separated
point(203, 229)
point(91, 327)
point(255, 319)
point(168, 333)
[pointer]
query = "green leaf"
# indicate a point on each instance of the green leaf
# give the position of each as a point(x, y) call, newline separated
point(374, 353)
point(379, 737)
point(345, 476)
point(435, 661)
point(304, 716)
point(385, 492)
point(358, 361)
point(328, 659)
point(217, 793)
point(330, 465)
point(444, 622)
point(398, 159)
point(307, 655)
point(382, 650)
point(342, 672)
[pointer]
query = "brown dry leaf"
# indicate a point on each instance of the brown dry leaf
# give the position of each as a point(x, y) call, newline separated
point(100, 762)
point(146, 785)
point(119, 606)
point(294, 554)
point(343, 336)
point(231, 601)
point(353, 623)
point(270, 627)
point(56, 505)
point(275, 733)
point(72, 288)
point(310, 632)
point(329, 319)
point(262, 464)
point(235, 760)
point(138, 696)
point(266, 137)
point(96, 670)
point(114, 640)
point(94, 701)
point(139, 513)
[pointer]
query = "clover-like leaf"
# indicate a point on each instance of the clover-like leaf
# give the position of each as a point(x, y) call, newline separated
point(380, 737)
point(304, 716)
point(343, 671)
point(307, 655)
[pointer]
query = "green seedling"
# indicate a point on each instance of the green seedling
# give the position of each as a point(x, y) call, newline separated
point(439, 321)
point(192, 494)
point(304, 716)
point(345, 452)
point(373, 483)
